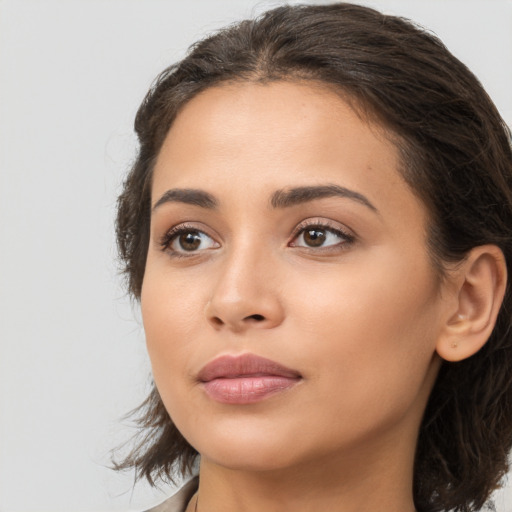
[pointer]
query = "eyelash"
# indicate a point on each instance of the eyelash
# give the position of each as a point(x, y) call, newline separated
point(346, 237)
point(176, 231)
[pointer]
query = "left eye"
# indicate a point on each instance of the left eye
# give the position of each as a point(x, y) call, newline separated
point(190, 241)
point(319, 236)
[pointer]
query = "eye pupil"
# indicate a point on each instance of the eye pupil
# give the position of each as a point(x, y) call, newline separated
point(314, 237)
point(190, 241)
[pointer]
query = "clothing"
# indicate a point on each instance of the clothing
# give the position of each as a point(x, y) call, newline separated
point(179, 501)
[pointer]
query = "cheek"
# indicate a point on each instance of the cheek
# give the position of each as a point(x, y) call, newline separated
point(371, 330)
point(170, 322)
point(170, 311)
point(380, 295)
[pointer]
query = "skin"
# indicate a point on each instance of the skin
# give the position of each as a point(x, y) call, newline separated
point(359, 317)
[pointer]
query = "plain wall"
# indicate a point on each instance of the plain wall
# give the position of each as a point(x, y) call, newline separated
point(72, 355)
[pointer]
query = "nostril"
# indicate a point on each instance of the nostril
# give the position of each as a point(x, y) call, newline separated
point(257, 318)
point(217, 321)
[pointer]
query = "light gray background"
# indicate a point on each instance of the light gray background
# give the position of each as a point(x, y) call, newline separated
point(72, 356)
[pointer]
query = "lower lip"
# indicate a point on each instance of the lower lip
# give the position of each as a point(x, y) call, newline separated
point(247, 390)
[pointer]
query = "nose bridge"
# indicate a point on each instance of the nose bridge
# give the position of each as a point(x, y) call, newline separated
point(245, 259)
point(244, 293)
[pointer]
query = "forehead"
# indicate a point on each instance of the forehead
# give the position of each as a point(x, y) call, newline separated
point(249, 137)
point(273, 113)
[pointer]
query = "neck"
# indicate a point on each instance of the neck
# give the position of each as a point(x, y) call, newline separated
point(343, 483)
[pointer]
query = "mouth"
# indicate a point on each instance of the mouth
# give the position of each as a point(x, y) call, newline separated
point(245, 379)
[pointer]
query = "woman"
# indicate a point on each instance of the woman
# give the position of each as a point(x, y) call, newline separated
point(318, 227)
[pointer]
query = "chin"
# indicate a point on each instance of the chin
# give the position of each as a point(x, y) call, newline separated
point(252, 459)
point(246, 447)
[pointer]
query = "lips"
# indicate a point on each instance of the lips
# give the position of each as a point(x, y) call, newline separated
point(245, 379)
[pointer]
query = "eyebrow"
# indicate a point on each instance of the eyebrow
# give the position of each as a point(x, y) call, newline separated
point(188, 196)
point(299, 195)
point(280, 198)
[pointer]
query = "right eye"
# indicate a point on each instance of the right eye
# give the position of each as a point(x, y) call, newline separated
point(183, 240)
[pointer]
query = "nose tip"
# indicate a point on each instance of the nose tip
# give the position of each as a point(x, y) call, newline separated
point(245, 289)
point(235, 315)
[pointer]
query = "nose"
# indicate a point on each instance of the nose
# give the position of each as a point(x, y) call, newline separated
point(245, 294)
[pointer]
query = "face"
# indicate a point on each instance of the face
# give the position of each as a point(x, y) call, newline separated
point(290, 307)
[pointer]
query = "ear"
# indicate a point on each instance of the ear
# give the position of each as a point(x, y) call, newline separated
point(480, 283)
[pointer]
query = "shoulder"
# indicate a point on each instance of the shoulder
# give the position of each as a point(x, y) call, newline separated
point(178, 502)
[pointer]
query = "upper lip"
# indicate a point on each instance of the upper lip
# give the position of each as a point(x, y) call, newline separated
point(245, 365)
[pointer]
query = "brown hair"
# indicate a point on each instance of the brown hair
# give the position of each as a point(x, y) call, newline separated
point(456, 156)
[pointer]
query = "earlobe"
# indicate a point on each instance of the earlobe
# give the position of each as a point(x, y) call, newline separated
point(481, 281)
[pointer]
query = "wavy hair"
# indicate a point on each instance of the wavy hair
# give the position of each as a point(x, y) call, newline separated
point(455, 155)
